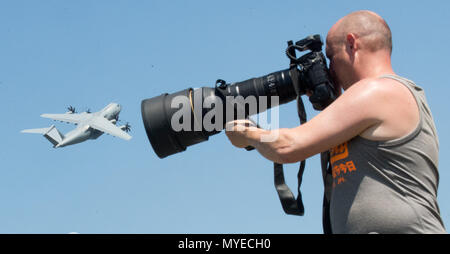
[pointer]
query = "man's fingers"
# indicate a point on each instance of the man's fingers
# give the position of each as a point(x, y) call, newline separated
point(239, 125)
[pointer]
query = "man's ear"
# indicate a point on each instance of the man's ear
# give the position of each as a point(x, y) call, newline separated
point(351, 42)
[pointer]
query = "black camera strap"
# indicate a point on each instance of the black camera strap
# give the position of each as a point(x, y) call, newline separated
point(290, 204)
point(327, 183)
point(294, 206)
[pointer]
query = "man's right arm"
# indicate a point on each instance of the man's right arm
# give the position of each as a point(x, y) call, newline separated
point(352, 113)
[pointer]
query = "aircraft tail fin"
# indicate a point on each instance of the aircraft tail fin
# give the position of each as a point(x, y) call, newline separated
point(51, 133)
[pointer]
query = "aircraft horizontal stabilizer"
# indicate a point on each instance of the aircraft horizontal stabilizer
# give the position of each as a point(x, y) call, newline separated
point(38, 131)
point(50, 133)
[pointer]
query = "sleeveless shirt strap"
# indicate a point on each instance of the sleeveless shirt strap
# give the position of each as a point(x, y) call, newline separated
point(411, 87)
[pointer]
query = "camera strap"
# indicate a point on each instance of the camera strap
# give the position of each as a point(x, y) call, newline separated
point(294, 206)
point(327, 183)
point(290, 204)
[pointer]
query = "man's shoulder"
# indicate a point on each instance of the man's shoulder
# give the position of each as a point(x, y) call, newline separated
point(379, 97)
point(378, 88)
point(391, 103)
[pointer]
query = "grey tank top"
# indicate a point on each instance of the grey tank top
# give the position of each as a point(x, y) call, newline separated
point(388, 186)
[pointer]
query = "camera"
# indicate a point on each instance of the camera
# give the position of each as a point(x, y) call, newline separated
point(308, 73)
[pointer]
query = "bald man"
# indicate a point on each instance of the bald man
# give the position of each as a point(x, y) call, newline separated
point(379, 131)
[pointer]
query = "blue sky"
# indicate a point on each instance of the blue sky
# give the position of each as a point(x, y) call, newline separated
point(89, 53)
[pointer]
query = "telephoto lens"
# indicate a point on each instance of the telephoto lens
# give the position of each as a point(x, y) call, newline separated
point(163, 114)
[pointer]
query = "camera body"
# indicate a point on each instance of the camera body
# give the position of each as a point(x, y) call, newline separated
point(313, 74)
point(308, 73)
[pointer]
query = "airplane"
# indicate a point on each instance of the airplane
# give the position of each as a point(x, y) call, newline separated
point(89, 126)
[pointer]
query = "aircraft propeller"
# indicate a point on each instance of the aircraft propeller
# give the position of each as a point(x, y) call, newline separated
point(127, 127)
point(71, 109)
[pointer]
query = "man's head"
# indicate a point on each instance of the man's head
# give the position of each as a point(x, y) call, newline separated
point(355, 43)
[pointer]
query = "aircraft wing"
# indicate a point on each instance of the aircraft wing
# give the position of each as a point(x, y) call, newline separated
point(70, 118)
point(103, 124)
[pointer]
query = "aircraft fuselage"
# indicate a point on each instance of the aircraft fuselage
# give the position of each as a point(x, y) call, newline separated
point(84, 132)
point(80, 134)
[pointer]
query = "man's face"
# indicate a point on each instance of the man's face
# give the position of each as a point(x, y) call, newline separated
point(340, 64)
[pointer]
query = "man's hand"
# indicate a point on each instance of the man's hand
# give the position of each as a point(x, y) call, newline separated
point(238, 132)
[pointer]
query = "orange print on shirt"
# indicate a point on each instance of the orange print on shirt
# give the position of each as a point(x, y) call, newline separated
point(343, 168)
point(339, 152)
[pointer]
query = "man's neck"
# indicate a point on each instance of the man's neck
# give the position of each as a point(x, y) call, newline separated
point(374, 65)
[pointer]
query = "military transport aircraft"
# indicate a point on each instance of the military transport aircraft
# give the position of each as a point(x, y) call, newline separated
point(89, 126)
